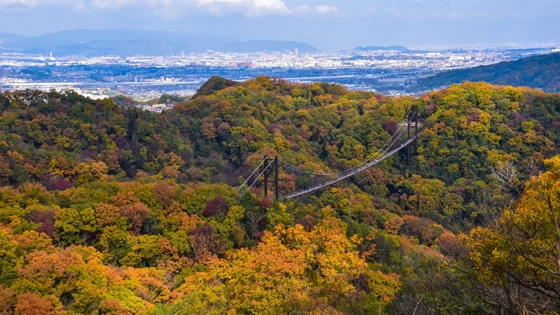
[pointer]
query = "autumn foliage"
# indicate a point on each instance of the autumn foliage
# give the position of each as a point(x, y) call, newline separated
point(113, 210)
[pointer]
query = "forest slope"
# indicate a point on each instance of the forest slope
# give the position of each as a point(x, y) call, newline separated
point(112, 210)
point(541, 72)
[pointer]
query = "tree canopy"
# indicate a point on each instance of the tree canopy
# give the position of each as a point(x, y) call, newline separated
point(108, 209)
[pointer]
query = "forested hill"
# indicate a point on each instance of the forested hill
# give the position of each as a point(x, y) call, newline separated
point(113, 210)
point(541, 72)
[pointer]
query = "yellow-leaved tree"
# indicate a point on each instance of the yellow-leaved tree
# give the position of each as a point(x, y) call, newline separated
point(519, 255)
point(292, 270)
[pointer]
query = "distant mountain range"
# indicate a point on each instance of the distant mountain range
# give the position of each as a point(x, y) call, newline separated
point(124, 42)
point(370, 48)
point(541, 72)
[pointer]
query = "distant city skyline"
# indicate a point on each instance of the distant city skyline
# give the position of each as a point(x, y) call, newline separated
point(325, 24)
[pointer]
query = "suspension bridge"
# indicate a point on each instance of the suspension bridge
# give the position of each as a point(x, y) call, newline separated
point(269, 167)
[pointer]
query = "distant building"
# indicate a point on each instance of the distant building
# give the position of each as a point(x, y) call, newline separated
point(156, 108)
point(241, 64)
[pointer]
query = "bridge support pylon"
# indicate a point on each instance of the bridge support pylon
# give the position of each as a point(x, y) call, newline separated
point(416, 132)
point(268, 172)
point(408, 147)
point(415, 138)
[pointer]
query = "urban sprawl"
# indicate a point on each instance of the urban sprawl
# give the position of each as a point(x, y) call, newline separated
point(145, 77)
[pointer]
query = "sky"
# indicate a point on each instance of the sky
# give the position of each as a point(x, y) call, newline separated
point(326, 24)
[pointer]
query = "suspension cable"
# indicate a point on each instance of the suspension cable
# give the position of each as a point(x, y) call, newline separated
point(248, 178)
point(393, 139)
point(372, 157)
point(269, 164)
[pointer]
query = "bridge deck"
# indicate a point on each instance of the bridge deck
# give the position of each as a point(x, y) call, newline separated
point(359, 170)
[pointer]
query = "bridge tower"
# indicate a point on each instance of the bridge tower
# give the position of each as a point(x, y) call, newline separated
point(415, 137)
point(271, 172)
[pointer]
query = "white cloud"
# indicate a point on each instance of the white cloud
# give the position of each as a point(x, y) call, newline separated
point(174, 8)
point(323, 9)
point(105, 4)
point(247, 7)
point(76, 4)
point(25, 3)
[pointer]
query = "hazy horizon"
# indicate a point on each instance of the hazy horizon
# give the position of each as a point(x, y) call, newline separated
point(324, 24)
point(420, 46)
